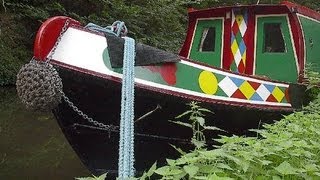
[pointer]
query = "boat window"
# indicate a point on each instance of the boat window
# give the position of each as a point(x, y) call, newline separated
point(273, 38)
point(208, 39)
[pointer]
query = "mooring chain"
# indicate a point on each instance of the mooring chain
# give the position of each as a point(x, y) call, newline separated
point(53, 50)
point(65, 98)
point(86, 117)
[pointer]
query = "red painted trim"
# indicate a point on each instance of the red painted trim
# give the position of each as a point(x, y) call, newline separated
point(174, 93)
point(249, 39)
point(167, 72)
point(226, 60)
point(302, 10)
point(184, 52)
point(299, 44)
point(48, 34)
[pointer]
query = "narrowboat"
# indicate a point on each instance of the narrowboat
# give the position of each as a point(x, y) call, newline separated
point(246, 63)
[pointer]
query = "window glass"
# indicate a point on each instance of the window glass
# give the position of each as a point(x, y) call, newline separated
point(273, 38)
point(208, 39)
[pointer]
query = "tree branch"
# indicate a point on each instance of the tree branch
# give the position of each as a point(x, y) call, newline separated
point(4, 7)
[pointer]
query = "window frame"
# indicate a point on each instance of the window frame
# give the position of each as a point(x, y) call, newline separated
point(208, 57)
point(282, 36)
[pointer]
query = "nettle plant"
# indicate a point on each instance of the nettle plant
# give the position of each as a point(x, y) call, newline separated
point(196, 122)
point(287, 149)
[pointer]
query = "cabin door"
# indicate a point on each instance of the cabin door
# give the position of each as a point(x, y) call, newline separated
point(275, 57)
point(206, 45)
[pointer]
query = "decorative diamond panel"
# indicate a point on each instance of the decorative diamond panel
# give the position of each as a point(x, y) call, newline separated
point(228, 86)
point(263, 92)
point(238, 44)
point(278, 94)
point(247, 90)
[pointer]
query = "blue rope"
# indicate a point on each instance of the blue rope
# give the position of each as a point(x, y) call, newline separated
point(118, 28)
point(126, 142)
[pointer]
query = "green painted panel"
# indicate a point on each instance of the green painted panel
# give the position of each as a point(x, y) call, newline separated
point(209, 57)
point(140, 72)
point(275, 65)
point(311, 30)
point(188, 77)
point(202, 80)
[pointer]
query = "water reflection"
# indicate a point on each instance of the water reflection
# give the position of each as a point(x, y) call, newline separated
point(32, 145)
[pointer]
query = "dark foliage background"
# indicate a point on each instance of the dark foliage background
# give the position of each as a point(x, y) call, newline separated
point(159, 23)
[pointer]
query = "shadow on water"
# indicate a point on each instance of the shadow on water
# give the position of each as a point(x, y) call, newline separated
point(32, 145)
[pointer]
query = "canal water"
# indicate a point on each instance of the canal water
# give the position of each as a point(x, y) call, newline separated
point(32, 145)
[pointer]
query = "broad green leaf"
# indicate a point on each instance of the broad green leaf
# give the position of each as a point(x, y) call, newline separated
point(311, 167)
point(175, 171)
point(191, 170)
point(317, 174)
point(164, 171)
point(215, 177)
point(213, 128)
point(183, 114)
point(208, 169)
point(178, 149)
point(198, 144)
point(285, 168)
point(200, 120)
point(171, 162)
point(167, 171)
point(276, 178)
point(85, 178)
point(212, 153)
point(144, 176)
point(265, 162)
point(224, 166)
point(179, 176)
point(152, 169)
point(182, 123)
point(101, 177)
point(205, 110)
point(201, 177)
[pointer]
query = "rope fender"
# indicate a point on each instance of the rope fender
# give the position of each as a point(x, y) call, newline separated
point(39, 86)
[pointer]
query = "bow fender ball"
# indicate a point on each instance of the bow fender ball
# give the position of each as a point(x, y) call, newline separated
point(39, 86)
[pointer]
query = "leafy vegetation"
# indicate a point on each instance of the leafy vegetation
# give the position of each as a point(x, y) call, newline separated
point(156, 23)
point(196, 123)
point(287, 149)
point(101, 177)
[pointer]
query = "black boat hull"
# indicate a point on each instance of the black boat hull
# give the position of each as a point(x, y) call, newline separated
point(99, 98)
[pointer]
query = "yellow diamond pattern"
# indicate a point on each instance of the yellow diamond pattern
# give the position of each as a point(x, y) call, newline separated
point(239, 19)
point(247, 89)
point(244, 58)
point(278, 94)
point(234, 47)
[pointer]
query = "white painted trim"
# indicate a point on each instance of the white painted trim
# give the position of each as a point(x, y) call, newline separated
point(304, 47)
point(255, 46)
point(256, 36)
point(198, 94)
point(222, 37)
point(307, 17)
point(293, 46)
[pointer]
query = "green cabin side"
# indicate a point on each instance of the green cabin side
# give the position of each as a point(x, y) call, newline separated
point(311, 33)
